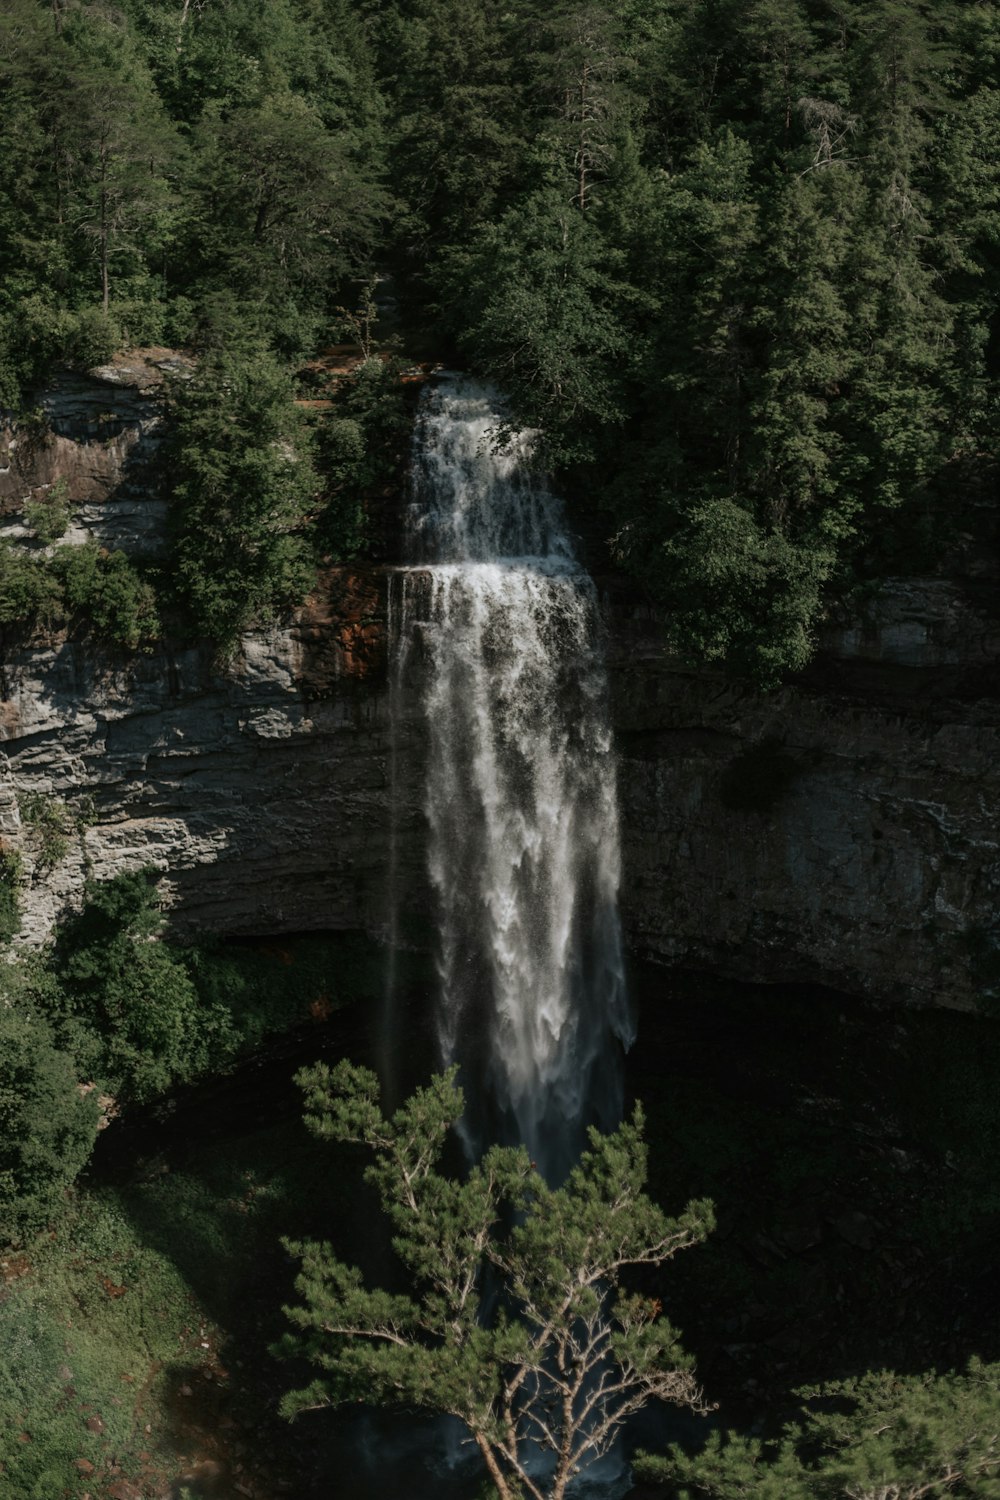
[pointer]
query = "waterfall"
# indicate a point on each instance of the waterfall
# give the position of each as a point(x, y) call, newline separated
point(520, 799)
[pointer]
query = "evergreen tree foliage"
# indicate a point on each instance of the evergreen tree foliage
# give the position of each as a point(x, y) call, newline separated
point(736, 262)
point(880, 1436)
point(526, 1334)
point(47, 1125)
point(242, 480)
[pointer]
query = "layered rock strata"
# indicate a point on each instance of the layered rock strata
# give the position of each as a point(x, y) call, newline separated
point(842, 831)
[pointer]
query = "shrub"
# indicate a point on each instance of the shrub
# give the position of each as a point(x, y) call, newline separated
point(47, 1126)
point(29, 591)
point(49, 516)
point(93, 338)
point(124, 1002)
point(50, 820)
point(110, 592)
point(11, 869)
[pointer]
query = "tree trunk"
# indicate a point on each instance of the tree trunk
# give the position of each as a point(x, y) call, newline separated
point(583, 140)
point(502, 1487)
point(562, 1474)
point(105, 288)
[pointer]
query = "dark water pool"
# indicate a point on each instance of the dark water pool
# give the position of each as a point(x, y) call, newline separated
point(850, 1153)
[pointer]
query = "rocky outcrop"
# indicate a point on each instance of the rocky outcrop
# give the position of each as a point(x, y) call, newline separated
point(95, 436)
point(845, 830)
point(841, 831)
point(259, 786)
point(261, 789)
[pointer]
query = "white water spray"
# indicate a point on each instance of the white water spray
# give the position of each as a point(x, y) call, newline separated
point(523, 846)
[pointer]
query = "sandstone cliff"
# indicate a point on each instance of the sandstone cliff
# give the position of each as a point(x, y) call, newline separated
point(842, 831)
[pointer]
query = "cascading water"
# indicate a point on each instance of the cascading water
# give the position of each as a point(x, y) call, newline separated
point(523, 848)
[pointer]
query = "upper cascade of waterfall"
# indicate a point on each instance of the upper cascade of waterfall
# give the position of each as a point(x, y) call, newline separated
point(478, 496)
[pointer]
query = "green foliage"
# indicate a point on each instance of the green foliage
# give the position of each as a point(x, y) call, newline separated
point(735, 591)
point(360, 447)
point(49, 516)
point(880, 1435)
point(83, 586)
point(737, 265)
point(730, 275)
point(100, 1325)
point(140, 1014)
point(243, 479)
point(11, 871)
point(513, 1369)
point(51, 822)
point(109, 592)
point(29, 591)
point(123, 1003)
point(47, 1127)
point(542, 308)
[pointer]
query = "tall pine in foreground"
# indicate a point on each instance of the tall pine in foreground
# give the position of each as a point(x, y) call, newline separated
point(528, 1335)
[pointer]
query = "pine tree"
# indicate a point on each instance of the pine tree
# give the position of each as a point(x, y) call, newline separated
point(524, 1333)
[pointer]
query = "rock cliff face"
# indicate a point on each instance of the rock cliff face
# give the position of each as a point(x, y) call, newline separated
point(842, 831)
point(262, 789)
point(96, 436)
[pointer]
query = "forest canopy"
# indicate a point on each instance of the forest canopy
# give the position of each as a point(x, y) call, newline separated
point(737, 262)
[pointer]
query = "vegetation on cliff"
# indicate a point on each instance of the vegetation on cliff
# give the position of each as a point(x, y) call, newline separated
point(108, 1012)
point(736, 263)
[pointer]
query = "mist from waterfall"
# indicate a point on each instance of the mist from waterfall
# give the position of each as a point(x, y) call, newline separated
point(500, 625)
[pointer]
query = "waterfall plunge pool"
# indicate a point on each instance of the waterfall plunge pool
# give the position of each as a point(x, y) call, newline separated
point(851, 1163)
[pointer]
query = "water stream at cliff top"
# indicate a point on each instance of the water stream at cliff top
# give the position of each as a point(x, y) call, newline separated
point(499, 624)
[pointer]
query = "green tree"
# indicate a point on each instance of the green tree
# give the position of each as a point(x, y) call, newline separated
point(580, 78)
point(289, 209)
point(546, 314)
point(243, 480)
point(458, 116)
point(123, 1003)
point(47, 1126)
point(526, 1334)
point(115, 158)
point(109, 592)
point(878, 1437)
